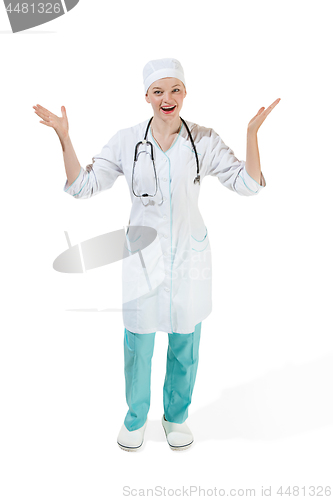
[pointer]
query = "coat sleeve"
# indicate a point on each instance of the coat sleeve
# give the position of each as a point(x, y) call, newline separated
point(103, 173)
point(230, 171)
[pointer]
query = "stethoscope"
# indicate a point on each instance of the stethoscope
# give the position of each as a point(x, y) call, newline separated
point(150, 146)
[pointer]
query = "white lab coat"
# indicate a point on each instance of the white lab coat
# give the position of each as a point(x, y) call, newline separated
point(179, 260)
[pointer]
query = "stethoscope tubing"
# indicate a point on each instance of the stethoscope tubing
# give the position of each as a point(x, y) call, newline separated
point(149, 144)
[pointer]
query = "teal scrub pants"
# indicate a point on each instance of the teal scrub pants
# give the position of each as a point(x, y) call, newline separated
point(181, 370)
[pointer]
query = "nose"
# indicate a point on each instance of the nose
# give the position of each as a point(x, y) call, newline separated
point(167, 97)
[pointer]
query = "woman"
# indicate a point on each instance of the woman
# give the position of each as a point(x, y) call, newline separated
point(166, 284)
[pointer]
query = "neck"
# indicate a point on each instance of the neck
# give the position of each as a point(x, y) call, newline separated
point(166, 128)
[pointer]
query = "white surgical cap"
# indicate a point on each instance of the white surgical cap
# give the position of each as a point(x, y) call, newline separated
point(162, 68)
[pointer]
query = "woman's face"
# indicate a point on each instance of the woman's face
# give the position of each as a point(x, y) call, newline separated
point(166, 97)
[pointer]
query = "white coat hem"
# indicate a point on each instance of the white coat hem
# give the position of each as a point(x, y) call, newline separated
point(158, 329)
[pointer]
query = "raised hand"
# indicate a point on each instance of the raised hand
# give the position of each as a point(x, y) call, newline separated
point(262, 114)
point(58, 123)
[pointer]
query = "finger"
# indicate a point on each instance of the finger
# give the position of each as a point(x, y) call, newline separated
point(273, 104)
point(43, 114)
point(63, 111)
point(41, 108)
point(45, 111)
point(269, 109)
point(45, 123)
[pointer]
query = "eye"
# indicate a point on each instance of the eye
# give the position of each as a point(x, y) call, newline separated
point(176, 90)
point(157, 92)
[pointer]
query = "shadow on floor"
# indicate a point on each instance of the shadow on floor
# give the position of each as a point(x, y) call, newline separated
point(284, 402)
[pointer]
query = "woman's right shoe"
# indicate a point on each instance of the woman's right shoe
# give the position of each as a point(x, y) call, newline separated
point(131, 440)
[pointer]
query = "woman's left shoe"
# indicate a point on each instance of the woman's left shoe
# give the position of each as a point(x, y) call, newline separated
point(179, 436)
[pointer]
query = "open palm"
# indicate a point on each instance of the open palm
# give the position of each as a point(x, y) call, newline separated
point(262, 114)
point(58, 123)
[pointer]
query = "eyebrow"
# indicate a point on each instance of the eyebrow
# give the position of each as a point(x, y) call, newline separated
point(177, 85)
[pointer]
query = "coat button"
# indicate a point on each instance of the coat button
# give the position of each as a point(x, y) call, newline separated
point(167, 289)
point(164, 216)
point(164, 179)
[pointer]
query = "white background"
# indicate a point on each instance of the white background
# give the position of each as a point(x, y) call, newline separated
point(262, 406)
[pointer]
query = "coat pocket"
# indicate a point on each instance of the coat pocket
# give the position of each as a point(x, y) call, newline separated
point(200, 268)
point(199, 244)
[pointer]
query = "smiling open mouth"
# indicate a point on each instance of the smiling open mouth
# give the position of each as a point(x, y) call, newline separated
point(168, 109)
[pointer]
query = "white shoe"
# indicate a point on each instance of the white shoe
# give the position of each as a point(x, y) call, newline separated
point(131, 440)
point(179, 436)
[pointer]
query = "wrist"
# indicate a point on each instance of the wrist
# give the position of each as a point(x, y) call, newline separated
point(65, 141)
point(65, 138)
point(251, 132)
